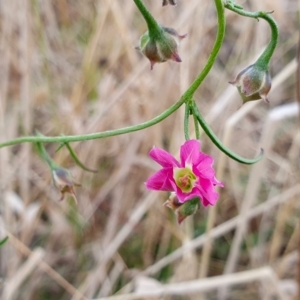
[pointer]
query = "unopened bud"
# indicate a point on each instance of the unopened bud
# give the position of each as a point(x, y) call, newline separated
point(182, 210)
point(64, 182)
point(161, 48)
point(253, 83)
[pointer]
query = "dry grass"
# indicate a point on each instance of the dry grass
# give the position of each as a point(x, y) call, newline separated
point(70, 67)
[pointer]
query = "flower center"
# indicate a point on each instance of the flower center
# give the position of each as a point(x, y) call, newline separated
point(184, 179)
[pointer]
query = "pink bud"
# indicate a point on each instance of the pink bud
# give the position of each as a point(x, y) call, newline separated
point(162, 48)
point(253, 83)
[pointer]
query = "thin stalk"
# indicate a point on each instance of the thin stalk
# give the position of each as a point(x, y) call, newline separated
point(97, 135)
point(76, 159)
point(153, 27)
point(186, 122)
point(196, 125)
point(44, 154)
point(216, 48)
point(219, 144)
point(185, 97)
point(264, 59)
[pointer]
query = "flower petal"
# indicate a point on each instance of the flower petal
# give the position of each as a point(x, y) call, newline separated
point(215, 181)
point(189, 152)
point(162, 157)
point(161, 180)
point(204, 168)
point(207, 188)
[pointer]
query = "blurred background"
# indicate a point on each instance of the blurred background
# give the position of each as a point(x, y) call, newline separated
point(70, 67)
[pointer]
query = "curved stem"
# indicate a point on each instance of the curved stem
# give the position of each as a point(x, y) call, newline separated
point(216, 48)
point(185, 97)
point(76, 159)
point(153, 27)
point(186, 122)
point(264, 59)
point(219, 144)
point(188, 95)
point(98, 135)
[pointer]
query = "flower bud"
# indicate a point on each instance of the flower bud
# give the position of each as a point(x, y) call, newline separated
point(253, 83)
point(182, 210)
point(64, 182)
point(161, 48)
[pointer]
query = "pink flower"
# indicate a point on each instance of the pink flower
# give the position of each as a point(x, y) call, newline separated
point(192, 177)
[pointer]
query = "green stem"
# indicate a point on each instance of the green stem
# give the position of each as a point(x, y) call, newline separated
point(3, 241)
point(186, 122)
point(98, 135)
point(76, 159)
point(44, 154)
point(265, 57)
point(219, 144)
point(153, 27)
point(187, 96)
point(216, 48)
point(196, 125)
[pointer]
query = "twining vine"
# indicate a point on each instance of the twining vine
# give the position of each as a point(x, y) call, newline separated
point(191, 179)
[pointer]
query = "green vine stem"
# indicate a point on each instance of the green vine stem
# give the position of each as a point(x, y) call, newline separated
point(97, 135)
point(77, 161)
point(186, 126)
point(219, 144)
point(46, 157)
point(196, 125)
point(216, 48)
point(187, 96)
point(265, 57)
point(153, 27)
